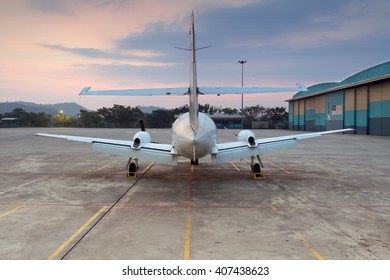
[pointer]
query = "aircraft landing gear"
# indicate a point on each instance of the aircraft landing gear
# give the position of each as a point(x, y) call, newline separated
point(132, 168)
point(256, 169)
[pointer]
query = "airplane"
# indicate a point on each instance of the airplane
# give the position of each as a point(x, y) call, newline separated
point(194, 134)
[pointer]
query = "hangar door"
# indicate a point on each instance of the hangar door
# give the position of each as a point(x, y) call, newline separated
point(379, 109)
point(335, 110)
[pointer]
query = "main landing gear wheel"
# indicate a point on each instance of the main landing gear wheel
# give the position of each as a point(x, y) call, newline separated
point(256, 169)
point(132, 167)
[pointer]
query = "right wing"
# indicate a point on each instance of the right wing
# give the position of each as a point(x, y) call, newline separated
point(248, 90)
point(238, 150)
point(161, 153)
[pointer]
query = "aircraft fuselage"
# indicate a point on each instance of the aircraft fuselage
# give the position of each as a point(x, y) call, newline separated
point(190, 144)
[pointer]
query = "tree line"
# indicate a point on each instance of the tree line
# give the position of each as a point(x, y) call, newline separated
point(120, 116)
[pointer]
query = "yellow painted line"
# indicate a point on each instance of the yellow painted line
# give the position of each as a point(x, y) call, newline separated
point(187, 236)
point(235, 166)
point(368, 214)
point(70, 239)
point(10, 211)
point(281, 168)
point(307, 244)
point(105, 166)
point(327, 169)
point(148, 167)
point(187, 240)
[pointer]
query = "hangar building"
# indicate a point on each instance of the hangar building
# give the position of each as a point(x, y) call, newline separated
point(361, 101)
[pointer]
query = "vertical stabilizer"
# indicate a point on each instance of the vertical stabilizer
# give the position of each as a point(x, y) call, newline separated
point(194, 107)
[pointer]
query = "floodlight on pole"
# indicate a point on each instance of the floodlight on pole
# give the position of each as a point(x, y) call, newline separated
point(242, 62)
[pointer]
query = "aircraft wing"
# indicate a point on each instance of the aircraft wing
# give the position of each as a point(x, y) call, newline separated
point(237, 150)
point(161, 153)
point(137, 92)
point(246, 90)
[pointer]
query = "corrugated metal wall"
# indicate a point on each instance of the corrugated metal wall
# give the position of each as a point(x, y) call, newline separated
point(365, 108)
point(379, 109)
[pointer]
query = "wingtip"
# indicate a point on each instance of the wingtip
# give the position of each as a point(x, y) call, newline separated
point(302, 87)
point(85, 91)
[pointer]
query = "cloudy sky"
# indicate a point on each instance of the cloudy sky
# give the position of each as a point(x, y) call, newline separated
point(50, 49)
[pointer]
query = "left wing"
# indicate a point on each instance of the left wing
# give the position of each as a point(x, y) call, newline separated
point(161, 153)
point(237, 150)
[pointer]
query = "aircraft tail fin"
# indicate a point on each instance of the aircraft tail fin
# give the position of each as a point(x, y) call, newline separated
point(193, 106)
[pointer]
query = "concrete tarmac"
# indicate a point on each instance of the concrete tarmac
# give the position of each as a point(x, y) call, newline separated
point(329, 198)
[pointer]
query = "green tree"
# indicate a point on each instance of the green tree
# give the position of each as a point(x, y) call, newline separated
point(90, 119)
point(277, 115)
point(254, 112)
point(160, 118)
point(39, 119)
point(181, 110)
point(121, 116)
point(230, 111)
point(62, 121)
point(209, 109)
point(21, 115)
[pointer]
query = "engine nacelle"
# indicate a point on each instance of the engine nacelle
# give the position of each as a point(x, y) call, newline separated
point(140, 138)
point(248, 137)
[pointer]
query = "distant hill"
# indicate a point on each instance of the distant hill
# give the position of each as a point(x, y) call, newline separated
point(149, 109)
point(70, 109)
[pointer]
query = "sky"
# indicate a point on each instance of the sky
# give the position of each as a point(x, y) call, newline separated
point(51, 49)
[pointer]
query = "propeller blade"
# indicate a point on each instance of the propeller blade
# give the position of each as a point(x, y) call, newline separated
point(141, 124)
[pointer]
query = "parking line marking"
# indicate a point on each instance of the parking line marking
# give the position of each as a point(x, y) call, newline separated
point(10, 211)
point(235, 166)
point(187, 240)
point(327, 169)
point(105, 166)
point(307, 244)
point(22, 185)
point(148, 167)
point(281, 168)
point(70, 239)
point(187, 236)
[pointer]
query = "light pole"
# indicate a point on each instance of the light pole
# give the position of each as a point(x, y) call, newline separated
point(242, 62)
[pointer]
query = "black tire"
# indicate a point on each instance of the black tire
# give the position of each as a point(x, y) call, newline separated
point(256, 168)
point(132, 167)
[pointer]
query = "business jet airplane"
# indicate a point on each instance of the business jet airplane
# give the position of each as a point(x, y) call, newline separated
point(194, 134)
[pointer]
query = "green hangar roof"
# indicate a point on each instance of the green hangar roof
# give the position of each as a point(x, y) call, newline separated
point(378, 72)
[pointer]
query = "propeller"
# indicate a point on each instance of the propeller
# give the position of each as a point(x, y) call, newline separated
point(141, 124)
point(230, 131)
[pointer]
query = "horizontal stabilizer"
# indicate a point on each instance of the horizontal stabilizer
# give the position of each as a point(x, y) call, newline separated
point(137, 92)
point(249, 90)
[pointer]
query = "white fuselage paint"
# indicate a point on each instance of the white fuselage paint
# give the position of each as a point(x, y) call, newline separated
point(190, 144)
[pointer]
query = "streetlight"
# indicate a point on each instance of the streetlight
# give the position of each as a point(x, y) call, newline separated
point(242, 62)
point(62, 118)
